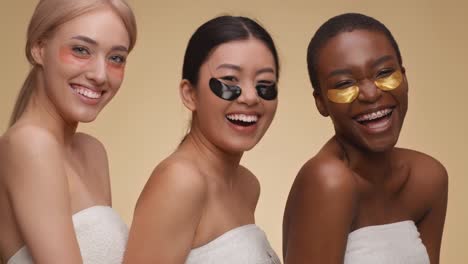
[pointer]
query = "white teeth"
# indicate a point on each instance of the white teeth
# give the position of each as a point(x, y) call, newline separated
point(374, 115)
point(87, 92)
point(243, 117)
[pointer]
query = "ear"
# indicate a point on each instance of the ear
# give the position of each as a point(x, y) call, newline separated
point(188, 95)
point(320, 104)
point(37, 52)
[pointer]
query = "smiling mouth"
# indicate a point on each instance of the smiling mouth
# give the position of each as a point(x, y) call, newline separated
point(86, 92)
point(376, 118)
point(242, 119)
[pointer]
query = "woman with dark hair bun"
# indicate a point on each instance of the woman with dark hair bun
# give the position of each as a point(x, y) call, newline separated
point(198, 205)
point(361, 199)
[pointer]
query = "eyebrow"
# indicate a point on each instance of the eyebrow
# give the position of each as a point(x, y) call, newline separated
point(85, 39)
point(266, 70)
point(93, 42)
point(229, 66)
point(381, 60)
point(238, 68)
point(374, 64)
point(339, 72)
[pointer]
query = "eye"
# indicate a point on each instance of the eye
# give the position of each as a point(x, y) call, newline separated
point(117, 59)
point(266, 83)
point(80, 51)
point(267, 90)
point(229, 78)
point(384, 73)
point(343, 84)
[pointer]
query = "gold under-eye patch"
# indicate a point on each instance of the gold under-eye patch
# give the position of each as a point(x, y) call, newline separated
point(343, 96)
point(347, 95)
point(390, 82)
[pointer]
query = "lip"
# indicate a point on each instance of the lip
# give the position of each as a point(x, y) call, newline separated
point(244, 113)
point(373, 109)
point(243, 129)
point(84, 99)
point(379, 126)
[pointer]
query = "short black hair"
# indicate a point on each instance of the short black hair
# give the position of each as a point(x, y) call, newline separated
point(217, 31)
point(342, 23)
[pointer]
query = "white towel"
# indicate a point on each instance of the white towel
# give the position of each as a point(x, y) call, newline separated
point(246, 244)
point(396, 243)
point(101, 234)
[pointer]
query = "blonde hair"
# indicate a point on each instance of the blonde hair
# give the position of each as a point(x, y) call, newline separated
point(50, 14)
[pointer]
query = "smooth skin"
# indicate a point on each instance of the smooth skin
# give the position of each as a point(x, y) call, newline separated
point(48, 172)
point(359, 178)
point(201, 191)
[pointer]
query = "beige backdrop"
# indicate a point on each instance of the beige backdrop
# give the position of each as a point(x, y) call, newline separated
point(146, 120)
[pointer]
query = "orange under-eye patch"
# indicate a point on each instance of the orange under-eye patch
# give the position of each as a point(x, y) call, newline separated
point(117, 70)
point(67, 56)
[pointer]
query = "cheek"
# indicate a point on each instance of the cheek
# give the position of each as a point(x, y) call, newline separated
point(271, 107)
point(400, 95)
point(116, 71)
point(67, 57)
point(340, 113)
point(404, 101)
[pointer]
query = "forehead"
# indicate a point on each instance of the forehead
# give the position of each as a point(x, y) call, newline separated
point(102, 25)
point(247, 54)
point(358, 48)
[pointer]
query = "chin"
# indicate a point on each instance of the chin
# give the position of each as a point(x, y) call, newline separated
point(87, 120)
point(238, 146)
point(382, 145)
point(85, 116)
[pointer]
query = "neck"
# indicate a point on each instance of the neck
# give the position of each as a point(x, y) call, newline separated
point(42, 112)
point(375, 167)
point(217, 162)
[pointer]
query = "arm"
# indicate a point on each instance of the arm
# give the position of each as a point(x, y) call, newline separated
point(319, 214)
point(166, 216)
point(432, 224)
point(31, 164)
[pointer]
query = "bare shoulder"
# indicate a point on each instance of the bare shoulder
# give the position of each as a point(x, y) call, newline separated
point(426, 171)
point(168, 212)
point(249, 186)
point(92, 153)
point(22, 162)
point(427, 186)
point(178, 177)
point(325, 174)
point(249, 179)
point(88, 142)
point(27, 137)
point(90, 148)
point(319, 211)
point(323, 182)
point(25, 145)
point(93, 157)
point(32, 166)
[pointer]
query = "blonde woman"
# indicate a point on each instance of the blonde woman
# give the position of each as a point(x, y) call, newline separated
point(54, 184)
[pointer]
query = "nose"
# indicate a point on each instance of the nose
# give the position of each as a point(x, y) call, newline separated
point(248, 95)
point(368, 92)
point(97, 71)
